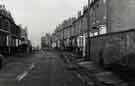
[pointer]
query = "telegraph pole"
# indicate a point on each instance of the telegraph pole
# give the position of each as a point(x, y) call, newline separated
point(88, 33)
point(63, 44)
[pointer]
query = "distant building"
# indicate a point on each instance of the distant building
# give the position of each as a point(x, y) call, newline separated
point(46, 41)
point(25, 43)
point(24, 35)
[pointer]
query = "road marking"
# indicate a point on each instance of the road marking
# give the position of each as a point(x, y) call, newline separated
point(32, 66)
point(21, 76)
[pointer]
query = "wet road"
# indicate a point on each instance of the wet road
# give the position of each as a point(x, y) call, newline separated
point(41, 69)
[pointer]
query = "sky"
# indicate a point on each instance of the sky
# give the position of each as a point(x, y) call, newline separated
point(42, 16)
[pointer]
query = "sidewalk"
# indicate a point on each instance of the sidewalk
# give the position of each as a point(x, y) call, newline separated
point(15, 57)
point(90, 73)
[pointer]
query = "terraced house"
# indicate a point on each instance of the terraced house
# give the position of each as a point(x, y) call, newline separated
point(72, 33)
point(10, 33)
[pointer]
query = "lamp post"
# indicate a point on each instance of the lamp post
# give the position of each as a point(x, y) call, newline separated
point(88, 33)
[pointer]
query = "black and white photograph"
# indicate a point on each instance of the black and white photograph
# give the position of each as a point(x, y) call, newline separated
point(67, 42)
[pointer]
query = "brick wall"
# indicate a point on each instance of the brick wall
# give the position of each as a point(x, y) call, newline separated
point(121, 15)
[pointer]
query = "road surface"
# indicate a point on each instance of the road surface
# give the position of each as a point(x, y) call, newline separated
point(40, 69)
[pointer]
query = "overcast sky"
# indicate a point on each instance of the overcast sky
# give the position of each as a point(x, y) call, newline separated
point(42, 16)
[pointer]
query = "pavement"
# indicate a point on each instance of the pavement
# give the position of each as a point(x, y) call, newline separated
point(41, 69)
point(90, 73)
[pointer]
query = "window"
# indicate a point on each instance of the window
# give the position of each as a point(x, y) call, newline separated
point(104, 1)
point(103, 29)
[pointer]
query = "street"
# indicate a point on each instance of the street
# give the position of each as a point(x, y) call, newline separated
point(40, 69)
point(67, 43)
